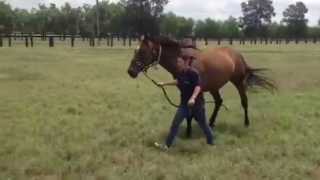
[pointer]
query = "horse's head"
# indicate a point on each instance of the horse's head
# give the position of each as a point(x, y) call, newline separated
point(146, 54)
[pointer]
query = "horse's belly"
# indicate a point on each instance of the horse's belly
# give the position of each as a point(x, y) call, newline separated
point(214, 82)
point(217, 74)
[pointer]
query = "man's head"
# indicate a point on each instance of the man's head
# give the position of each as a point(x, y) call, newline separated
point(182, 64)
point(188, 42)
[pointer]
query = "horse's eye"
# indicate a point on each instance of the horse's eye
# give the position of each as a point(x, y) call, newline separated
point(154, 51)
point(141, 53)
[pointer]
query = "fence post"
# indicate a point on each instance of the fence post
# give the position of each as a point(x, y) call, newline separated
point(124, 41)
point(219, 41)
point(243, 41)
point(26, 41)
point(72, 41)
point(111, 40)
point(92, 41)
point(31, 40)
point(130, 43)
point(98, 40)
point(9, 41)
point(231, 41)
point(314, 40)
point(51, 41)
point(108, 40)
point(206, 41)
point(1, 41)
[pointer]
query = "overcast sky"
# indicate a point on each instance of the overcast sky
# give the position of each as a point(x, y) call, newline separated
point(197, 9)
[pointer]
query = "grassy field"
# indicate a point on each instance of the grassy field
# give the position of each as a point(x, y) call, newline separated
point(75, 114)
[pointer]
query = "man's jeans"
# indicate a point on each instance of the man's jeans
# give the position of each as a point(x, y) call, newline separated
point(182, 113)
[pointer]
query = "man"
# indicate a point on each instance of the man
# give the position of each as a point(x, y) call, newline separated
point(188, 52)
point(192, 102)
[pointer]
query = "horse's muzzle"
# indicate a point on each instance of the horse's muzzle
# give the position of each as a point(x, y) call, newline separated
point(132, 73)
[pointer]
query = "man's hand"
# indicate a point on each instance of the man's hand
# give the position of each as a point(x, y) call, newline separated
point(191, 102)
point(160, 84)
point(196, 92)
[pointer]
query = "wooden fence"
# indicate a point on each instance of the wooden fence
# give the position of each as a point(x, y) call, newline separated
point(112, 41)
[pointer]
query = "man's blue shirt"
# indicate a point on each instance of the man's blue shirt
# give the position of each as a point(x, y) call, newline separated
point(187, 81)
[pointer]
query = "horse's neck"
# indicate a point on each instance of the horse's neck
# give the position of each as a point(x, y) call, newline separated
point(168, 62)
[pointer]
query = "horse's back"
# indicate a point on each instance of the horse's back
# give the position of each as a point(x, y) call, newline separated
point(218, 66)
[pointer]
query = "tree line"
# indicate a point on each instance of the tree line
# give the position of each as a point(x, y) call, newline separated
point(133, 17)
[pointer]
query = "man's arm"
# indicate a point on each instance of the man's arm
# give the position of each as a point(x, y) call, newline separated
point(172, 83)
point(195, 94)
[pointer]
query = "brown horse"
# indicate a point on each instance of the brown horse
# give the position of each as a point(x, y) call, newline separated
point(216, 66)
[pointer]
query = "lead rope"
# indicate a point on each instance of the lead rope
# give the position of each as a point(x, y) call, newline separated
point(168, 98)
point(163, 90)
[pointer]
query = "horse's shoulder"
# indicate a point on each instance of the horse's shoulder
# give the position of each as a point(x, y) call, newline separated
point(212, 51)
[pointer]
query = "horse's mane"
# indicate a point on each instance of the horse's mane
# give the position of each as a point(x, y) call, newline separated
point(164, 41)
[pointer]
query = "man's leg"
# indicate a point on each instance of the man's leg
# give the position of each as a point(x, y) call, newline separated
point(202, 121)
point(182, 113)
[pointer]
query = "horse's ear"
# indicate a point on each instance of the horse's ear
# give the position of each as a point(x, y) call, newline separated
point(142, 38)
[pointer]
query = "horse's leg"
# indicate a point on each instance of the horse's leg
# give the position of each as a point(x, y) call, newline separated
point(218, 102)
point(189, 128)
point(244, 101)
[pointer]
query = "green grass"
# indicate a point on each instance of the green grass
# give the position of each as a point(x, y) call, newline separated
point(75, 114)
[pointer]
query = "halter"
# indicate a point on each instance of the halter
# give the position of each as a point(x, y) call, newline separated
point(159, 55)
point(156, 62)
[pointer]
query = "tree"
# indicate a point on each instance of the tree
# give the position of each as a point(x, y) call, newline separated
point(97, 18)
point(169, 24)
point(111, 18)
point(200, 29)
point(185, 27)
point(87, 21)
point(230, 28)
point(6, 18)
point(212, 28)
point(69, 19)
point(314, 32)
point(21, 20)
point(208, 28)
point(142, 16)
point(257, 16)
point(277, 30)
point(294, 17)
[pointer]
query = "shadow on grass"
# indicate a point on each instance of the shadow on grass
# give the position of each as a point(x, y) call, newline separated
point(236, 130)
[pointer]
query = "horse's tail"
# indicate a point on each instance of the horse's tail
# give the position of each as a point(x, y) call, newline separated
point(256, 77)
